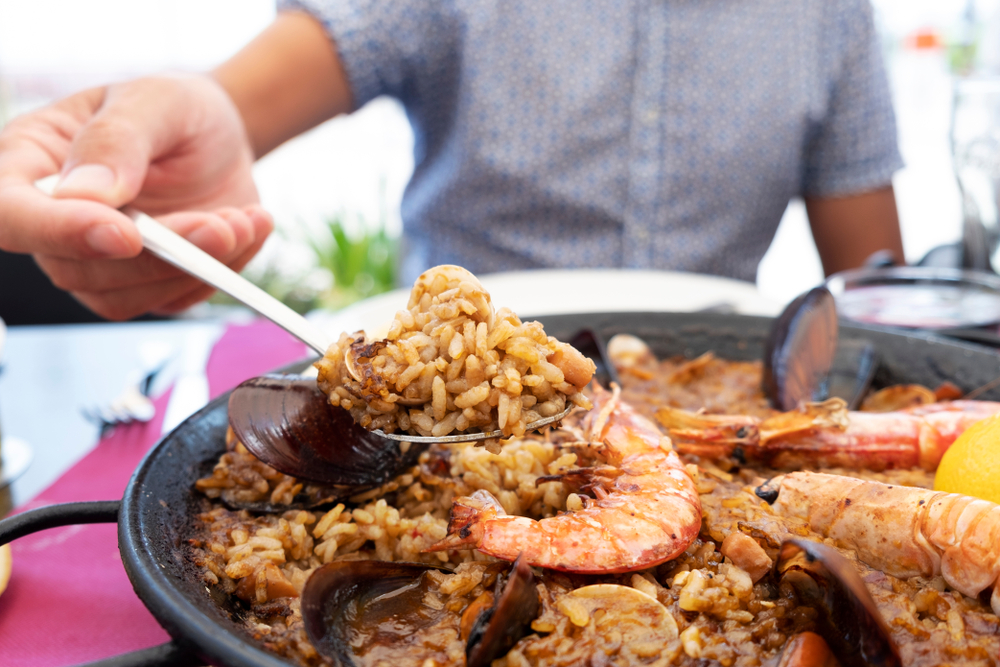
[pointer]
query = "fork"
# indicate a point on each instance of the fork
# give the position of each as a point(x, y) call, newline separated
point(132, 405)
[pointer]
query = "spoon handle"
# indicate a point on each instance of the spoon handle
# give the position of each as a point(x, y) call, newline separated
point(178, 251)
point(189, 258)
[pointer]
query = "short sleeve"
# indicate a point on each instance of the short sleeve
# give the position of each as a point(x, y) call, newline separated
point(852, 148)
point(385, 46)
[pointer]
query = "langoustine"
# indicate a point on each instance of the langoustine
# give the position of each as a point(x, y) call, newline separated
point(826, 434)
point(903, 531)
point(646, 509)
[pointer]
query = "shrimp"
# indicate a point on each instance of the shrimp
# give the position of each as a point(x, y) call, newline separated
point(903, 531)
point(646, 510)
point(827, 434)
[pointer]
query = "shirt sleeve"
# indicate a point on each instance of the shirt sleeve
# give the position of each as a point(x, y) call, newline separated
point(852, 148)
point(386, 46)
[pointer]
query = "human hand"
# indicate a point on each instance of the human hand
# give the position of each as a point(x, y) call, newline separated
point(174, 147)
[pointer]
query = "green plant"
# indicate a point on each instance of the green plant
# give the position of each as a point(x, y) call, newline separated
point(362, 264)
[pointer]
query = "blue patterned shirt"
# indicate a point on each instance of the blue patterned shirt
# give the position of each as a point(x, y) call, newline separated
point(665, 134)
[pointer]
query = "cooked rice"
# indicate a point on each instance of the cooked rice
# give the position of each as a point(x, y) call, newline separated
point(450, 363)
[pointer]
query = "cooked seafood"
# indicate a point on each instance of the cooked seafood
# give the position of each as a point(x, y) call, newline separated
point(645, 509)
point(800, 349)
point(451, 363)
point(727, 593)
point(827, 434)
point(903, 531)
point(287, 423)
point(807, 650)
point(848, 618)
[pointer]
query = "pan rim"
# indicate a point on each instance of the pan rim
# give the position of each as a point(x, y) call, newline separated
point(212, 641)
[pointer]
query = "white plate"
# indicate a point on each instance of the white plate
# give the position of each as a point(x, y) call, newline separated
point(555, 292)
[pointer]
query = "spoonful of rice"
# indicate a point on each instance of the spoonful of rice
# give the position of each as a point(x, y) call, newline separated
point(454, 369)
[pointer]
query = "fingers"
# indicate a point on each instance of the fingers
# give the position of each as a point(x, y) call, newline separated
point(168, 143)
point(130, 127)
point(32, 147)
point(220, 234)
point(123, 289)
point(198, 295)
point(32, 222)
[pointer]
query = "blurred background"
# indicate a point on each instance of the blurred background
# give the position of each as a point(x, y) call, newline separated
point(335, 192)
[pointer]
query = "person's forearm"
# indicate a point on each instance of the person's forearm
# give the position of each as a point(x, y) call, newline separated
point(286, 81)
point(847, 230)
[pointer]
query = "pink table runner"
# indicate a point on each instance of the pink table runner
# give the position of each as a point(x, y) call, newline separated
point(69, 600)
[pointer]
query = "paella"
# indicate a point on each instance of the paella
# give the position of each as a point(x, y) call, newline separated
point(677, 520)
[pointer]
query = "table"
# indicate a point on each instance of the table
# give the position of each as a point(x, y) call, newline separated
point(52, 373)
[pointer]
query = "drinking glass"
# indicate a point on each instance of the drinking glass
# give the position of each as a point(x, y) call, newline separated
point(975, 144)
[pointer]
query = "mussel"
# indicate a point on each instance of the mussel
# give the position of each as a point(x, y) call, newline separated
point(496, 629)
point(848, 619)
point(805, 361)
point(799, 351)
point(289, 424)
point(363, 612)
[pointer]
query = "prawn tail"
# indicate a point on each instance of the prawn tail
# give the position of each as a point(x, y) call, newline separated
point(467, 521)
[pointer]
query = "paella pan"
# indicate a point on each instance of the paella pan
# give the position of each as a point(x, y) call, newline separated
point(156, 515)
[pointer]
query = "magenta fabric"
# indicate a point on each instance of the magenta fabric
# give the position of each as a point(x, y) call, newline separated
point(69, 600)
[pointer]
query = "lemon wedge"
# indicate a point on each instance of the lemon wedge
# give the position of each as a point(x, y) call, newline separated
point(971, 466)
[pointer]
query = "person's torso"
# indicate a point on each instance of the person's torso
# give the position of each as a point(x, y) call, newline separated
point(612, 134)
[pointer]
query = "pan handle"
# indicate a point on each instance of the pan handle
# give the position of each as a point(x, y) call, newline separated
point(53, 516)
point(99, 511)
point(164, 655)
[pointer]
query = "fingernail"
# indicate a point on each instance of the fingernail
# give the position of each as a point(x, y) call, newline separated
point(107, 240)
point(88, 178)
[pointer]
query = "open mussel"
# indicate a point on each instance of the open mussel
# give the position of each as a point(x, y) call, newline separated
point(496, 629)
point(799, 350)
point(848, 619)
point(289, 424)
point(805, 361)
point(366, 612)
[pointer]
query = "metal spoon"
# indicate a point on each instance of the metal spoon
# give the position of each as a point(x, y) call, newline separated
point(179, 252)
point(189, 258)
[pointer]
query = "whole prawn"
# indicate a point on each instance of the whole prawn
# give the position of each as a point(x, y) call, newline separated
point(827, 434)
point(903, 531)
point(646, 509)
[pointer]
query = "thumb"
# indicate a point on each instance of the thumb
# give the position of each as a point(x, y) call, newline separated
point(109, 156)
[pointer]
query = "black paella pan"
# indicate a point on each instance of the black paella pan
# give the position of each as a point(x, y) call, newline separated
point(155, 513)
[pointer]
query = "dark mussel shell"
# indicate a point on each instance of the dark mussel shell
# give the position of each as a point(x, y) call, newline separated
point(496, 630)
point(288, 423)
point(800, 348)
point(340, 595)
point(848, 619)
point(370, 604)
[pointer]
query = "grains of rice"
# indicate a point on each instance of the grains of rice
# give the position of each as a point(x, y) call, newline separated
point(450, 362)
